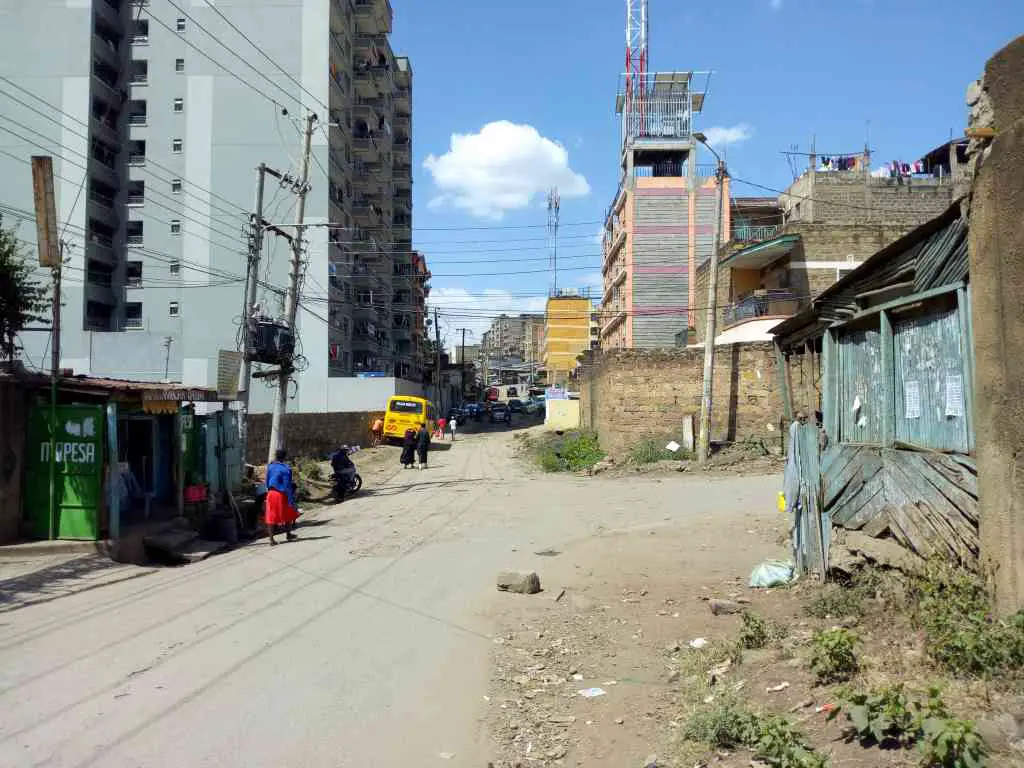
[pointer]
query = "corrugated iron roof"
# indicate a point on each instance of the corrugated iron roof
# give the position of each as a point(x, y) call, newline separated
point(149, 390)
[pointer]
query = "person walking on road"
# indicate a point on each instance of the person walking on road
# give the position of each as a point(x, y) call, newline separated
point(376, 432)
point(422, 446)
point(442, 424)
point(452, 425)
point(279, 507)
point(409, 449)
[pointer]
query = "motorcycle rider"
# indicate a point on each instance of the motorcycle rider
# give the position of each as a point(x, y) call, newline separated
point(344, 471)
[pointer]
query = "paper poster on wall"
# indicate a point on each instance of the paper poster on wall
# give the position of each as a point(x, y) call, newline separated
point(954, 394)
point(911, 400)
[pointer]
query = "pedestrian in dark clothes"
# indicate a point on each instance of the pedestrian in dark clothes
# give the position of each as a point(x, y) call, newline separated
point(422, 445)
point(409, 448)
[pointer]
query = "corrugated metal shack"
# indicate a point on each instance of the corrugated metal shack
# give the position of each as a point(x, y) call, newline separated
point(887, 356)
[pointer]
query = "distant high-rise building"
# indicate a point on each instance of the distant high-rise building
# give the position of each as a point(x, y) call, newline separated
point(157, 117)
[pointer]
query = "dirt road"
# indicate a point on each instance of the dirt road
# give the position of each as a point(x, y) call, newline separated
point(369, 642)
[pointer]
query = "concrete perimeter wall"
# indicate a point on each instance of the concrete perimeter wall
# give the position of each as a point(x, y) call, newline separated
point(310, 434)
point(632, 395)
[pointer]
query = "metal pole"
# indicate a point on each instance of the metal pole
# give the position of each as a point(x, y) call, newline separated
point(437, 349)
point(462, 360)
point(292, 298)
point(252, 279)
point(704, 441)
point(58, 269)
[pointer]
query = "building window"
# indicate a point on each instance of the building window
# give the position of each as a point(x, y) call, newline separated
point(175, 226)
point(179, 65)
point(176, 186)
point(133, 274)
point(176, 146)
point(175, 267)
point(179, 105)
point(181, 24)
point(173, 309)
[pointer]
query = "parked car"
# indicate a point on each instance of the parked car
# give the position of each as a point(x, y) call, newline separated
point(531, 407)
point(473, 411)
point(515, 405)
point(500, 412)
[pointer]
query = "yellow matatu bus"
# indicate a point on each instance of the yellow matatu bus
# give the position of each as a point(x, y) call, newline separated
point(408, 412)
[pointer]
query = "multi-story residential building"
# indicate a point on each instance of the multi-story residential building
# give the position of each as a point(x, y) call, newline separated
point(513, 338)
point(782, 252)
point(567, 335)
point(661, 224)
point(157, 115)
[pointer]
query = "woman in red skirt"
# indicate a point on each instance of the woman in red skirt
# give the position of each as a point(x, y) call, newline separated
point(279, 506)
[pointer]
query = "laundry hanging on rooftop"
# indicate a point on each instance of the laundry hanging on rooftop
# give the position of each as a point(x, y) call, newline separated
point(841, 163)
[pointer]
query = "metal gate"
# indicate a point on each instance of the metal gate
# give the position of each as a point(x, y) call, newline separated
point(78, 472)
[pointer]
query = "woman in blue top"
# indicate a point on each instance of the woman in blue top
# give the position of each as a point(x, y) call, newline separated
point(279, 506)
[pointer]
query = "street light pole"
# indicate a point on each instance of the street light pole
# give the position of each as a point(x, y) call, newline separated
point(704, 436)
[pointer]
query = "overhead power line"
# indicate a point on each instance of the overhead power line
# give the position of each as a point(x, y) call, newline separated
point(53, 108)
point(264, 54)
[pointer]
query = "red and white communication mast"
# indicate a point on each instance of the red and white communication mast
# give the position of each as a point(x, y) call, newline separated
point(636, 57)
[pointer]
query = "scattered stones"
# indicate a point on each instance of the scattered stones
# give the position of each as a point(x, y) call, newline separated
point(777, 688)
point(802, 705)
point(673, 648)
point(673, 676)
point(724, 607)
point(520, 582)
point(619, 720)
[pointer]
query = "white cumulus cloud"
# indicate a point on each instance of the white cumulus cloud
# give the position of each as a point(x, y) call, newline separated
point(504, 167)
point(721, 135)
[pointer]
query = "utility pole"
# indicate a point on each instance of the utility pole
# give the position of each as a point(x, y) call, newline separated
point(292, 297)
point(168, 340)
point(462, 361)
point(251, 281)
point(437, 352)
point(704, 439)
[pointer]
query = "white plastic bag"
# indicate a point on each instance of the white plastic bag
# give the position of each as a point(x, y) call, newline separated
point(772, 573)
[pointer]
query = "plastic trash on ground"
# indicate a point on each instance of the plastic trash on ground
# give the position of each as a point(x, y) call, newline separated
point(772, 573)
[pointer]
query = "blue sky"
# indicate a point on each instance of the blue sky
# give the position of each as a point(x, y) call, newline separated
point(783, 70)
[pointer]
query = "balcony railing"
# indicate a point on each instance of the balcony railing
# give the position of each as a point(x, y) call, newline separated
point(762, 303)
point(754, 234)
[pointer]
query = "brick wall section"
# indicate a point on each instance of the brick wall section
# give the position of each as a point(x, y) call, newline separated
point(310, 434)
point(631, 395)
point(854, 198)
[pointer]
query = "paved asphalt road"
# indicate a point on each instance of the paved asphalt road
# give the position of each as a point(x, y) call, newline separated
point(366, 643)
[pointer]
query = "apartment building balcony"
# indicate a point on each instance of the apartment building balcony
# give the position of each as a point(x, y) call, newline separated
point(372, 79)
point(101, 206)
point(105, 87)
point(366, 146)
point(403, 200)
point(764, 303)
point(366, 212)
point(402, 148)
point(402, 169)
point(373, 17)
point(103, 163)
point(106, 50)
point(99, 291)
point(754, 234)
point(104, 130)
point(618, 240)
point(370, 42)
point(100, 248)
point(110, 12)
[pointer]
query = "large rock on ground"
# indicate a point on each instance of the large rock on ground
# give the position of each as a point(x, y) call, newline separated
point(521, 582)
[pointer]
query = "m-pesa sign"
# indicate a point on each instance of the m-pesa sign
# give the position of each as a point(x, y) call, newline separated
point(72, 453)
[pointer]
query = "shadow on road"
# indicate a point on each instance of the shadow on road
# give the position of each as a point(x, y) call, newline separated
point(60, 580)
